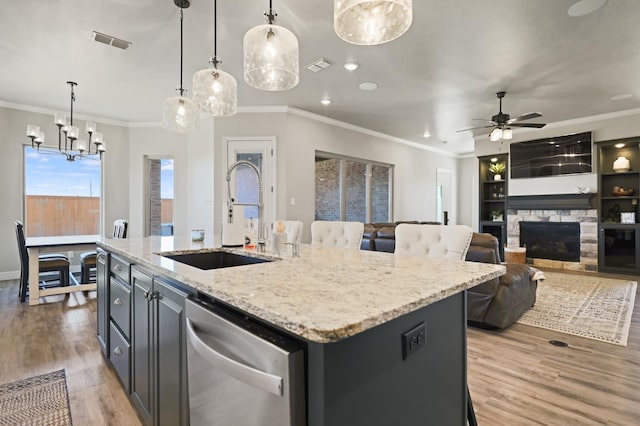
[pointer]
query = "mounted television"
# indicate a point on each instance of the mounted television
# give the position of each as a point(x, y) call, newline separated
point(561, 155)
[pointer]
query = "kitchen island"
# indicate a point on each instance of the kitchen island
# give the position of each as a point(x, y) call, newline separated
point(384, 335)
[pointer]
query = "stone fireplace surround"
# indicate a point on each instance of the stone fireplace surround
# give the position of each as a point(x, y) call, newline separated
point(557, 208)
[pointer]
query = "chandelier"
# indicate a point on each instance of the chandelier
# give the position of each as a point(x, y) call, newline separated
point(180, 113)
point(270, 56)
point(215, 91)
point(82, 148)
point(370, 22)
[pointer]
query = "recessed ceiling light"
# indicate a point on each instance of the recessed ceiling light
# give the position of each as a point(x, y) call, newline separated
point(621, 97)
point(619, 145)
point(325, 101)
point(494, 160)
point(351, 66)
point(585, 7)
point(368, 86)
point(426, 134)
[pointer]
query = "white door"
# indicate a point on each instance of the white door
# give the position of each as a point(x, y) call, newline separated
point(445, 196)
point(244, 186)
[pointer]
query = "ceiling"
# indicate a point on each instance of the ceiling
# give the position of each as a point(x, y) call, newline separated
point(438, 77)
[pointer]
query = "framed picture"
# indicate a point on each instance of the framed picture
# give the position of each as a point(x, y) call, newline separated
point(628, 217)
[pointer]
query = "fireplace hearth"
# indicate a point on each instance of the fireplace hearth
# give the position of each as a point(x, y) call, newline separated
point(551, 240)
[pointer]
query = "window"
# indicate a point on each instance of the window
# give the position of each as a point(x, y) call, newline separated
point(61, 197)
point(161, 196)
point(352, 189)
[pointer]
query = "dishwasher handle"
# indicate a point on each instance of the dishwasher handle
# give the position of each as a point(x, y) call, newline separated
point(249, 375)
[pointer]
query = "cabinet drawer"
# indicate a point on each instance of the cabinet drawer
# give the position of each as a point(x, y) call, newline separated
point(120, 355)
point(120, 306)
point(120, 268)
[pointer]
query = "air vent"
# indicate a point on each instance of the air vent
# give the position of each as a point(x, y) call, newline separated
point(111, 40)
point(319, 65)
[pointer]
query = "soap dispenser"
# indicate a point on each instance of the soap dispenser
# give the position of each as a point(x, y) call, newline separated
point(250, 236)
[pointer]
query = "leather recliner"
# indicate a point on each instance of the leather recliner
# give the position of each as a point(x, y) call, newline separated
point(500, 302)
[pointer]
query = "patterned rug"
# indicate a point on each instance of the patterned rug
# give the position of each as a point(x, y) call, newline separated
point(585, 306)
point(39, 400)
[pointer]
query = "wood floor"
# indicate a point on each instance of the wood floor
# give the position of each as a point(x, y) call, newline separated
point(515, 376)
point(61, 333)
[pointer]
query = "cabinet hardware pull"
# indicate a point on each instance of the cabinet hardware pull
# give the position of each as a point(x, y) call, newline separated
point(117, 351)
point(117, 301)
point(146, 294)
point(118, 268)
point(153, 295)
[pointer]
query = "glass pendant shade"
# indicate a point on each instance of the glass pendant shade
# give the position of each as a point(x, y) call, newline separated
point(495, 135)
point(507, 134)
point(215, 92)
point(180, 114)
point(370, 22)
point(271, 58)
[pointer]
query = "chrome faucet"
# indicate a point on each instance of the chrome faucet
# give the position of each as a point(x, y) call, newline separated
point(231, 201)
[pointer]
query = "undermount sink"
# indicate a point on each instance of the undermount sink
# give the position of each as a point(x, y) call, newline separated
point(213, 259)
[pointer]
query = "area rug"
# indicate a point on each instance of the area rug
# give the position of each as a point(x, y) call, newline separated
point(586, 306)
point(39, 400)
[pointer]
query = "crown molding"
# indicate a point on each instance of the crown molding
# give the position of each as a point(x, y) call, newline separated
point(49, 111)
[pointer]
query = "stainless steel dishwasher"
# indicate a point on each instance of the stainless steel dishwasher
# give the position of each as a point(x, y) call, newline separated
point(241, 373)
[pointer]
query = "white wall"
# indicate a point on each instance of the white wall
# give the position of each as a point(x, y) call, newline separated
point(193, 156)
point(13, 123)
point(298, 138)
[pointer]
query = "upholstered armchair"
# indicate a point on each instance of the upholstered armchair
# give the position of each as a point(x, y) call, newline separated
point(436, 241)
point(337, 234)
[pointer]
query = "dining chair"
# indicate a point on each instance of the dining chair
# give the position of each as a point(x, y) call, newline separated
point(337, 234)
point(49, 262)
point(449, 242)
point(88, 259)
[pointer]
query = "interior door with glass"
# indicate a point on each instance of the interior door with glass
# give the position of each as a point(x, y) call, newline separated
point(244, 185)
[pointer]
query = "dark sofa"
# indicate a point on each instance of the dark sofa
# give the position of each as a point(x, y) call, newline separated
point(497, 303)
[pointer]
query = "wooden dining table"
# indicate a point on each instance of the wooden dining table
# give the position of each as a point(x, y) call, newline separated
point(37, 245)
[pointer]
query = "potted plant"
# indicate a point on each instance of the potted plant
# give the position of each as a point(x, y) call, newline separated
point(496, 215)
point(497, 169)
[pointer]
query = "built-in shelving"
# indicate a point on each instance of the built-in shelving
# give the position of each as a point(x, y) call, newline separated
point(493, 198)
point(618, 242)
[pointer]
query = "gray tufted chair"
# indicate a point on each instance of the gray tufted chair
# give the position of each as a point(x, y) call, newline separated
point(337, 234)
point(436, 241)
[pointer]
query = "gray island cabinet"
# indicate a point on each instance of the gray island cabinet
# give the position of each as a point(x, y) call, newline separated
point(384, 336)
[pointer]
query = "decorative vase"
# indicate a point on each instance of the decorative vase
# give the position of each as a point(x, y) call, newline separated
point(497, 177)
point(621, 165)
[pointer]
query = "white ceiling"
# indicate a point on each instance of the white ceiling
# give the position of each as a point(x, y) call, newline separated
point(439, 76)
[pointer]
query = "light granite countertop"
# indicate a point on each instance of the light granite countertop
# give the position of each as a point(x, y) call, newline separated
point(323, 295)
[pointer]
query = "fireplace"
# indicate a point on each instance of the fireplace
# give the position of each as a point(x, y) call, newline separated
point(576, 210)
point(551, 240)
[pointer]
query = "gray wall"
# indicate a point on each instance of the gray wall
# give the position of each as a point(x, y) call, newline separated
point(298, 138)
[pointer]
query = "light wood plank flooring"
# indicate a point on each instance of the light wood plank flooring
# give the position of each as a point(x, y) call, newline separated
point(515, 376)
point(61, 333)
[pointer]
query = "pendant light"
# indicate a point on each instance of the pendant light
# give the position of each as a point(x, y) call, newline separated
point(215, 91)
point(270, 56)
point(370, 22)
point(180, 113)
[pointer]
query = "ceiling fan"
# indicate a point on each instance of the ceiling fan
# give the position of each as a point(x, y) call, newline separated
point(502, 123)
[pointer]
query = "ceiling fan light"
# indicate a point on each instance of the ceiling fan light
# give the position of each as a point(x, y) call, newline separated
point(271, 58)
point(215, 92)
point(495, 135)
point(507, 134)
point(371, 22)
point(180, 114)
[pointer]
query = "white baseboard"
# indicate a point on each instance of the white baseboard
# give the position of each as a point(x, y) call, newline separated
point(10, 275)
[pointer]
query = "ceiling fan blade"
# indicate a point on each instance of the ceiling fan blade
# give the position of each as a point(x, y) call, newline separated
point(536, 125)
point(523, 117)
point(474, 128)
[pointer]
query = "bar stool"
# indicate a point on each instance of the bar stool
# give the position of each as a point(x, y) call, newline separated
point(88, 259)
